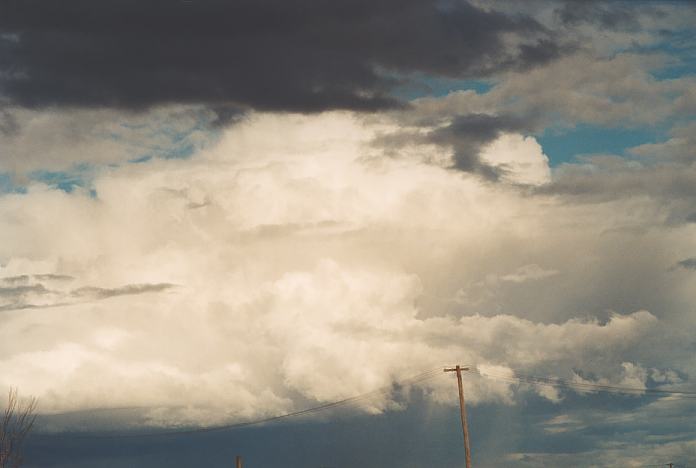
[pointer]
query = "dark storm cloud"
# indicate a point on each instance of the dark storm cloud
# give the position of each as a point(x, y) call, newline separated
point(305, 55)
point(610, 15)
point(466, 134)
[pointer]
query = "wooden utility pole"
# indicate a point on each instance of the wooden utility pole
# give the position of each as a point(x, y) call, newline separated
point(462, 408)
point(239, 462)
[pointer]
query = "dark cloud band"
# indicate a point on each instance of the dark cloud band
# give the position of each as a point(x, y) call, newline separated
point(304, 55)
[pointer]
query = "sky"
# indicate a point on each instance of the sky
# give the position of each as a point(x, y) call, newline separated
point(214, 213)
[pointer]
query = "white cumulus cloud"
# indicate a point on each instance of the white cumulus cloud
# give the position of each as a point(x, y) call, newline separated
point(288, 266)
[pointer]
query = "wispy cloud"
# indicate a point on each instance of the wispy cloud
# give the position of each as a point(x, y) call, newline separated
point(49, 290)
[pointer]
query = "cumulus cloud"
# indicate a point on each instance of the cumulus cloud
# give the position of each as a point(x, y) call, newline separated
point(308, 270)
point(518, 159)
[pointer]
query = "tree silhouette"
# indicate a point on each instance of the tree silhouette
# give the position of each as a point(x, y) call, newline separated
point(17, 420)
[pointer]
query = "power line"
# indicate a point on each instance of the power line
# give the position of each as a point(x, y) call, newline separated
point(586, 386)
point(423, 376)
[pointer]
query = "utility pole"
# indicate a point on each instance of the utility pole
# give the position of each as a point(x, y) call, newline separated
point(239, 462)
point(462, 407)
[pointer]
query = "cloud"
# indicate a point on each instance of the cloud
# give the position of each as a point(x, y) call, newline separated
point(603, 178)
point(606, 27)
point(640, 435)
point(609, 16)
point(310, 270)
point(103, 293)
point(688, 263)
point(467, 134)
point(214, 263)
point(53, 140)
point(62, 123)
point(483, 291)
point(50, 290)
point(561, 423)
point(483, 144)
point(271, 55)
point(528, 273)
point(679, 148)
point(518, 159)
point(582, 87)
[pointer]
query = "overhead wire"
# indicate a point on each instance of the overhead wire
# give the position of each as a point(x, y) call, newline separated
point(421, 377)
point(581, 386)
point(516, 377)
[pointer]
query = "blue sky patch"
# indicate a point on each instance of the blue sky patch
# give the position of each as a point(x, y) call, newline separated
point(680, 45)
point(8, 184)
point(78, 177)
point(562, 146)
